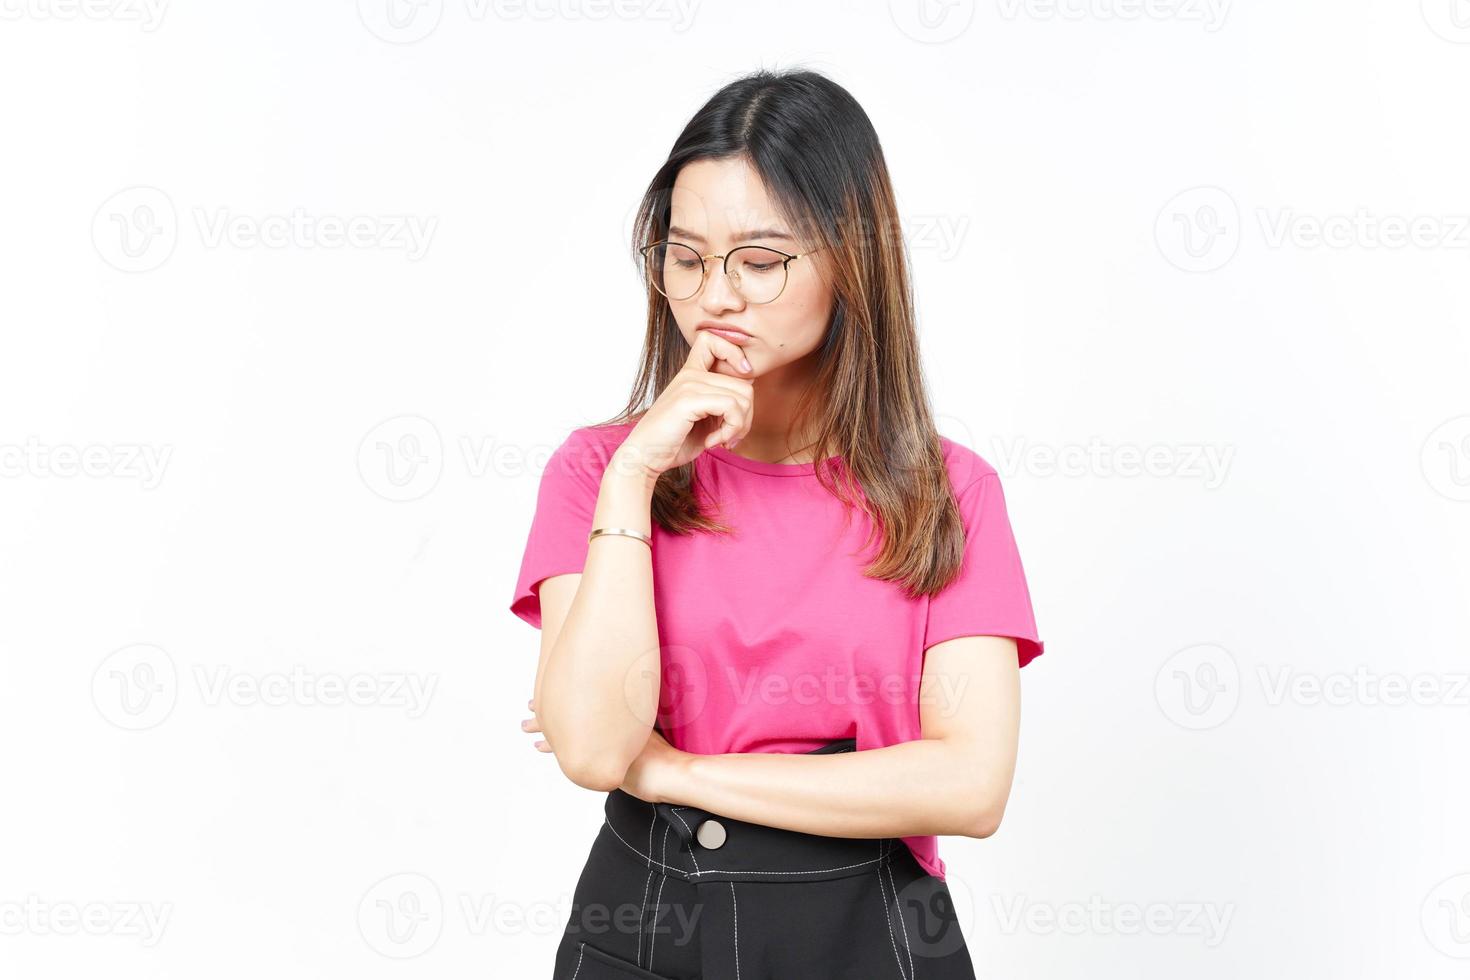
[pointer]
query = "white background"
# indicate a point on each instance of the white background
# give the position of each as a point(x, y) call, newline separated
point(1175, 229)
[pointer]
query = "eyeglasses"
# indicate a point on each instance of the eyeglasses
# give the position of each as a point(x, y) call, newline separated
point(757, 273)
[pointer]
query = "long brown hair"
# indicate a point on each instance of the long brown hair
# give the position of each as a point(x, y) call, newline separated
point(819, 156)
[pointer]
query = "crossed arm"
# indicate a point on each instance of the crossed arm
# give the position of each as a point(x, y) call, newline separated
point(954, 780)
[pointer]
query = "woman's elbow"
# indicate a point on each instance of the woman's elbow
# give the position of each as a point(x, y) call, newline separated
point(985, 825)
point(596, 772)
point(983, 818)
point(590, 761)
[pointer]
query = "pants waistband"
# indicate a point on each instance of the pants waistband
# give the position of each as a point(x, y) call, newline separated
point(699, 845)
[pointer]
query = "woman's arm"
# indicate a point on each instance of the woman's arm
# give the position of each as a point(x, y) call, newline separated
point(955, 780)
point(597, 677)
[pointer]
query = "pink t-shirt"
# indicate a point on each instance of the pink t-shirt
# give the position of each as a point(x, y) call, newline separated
point(773, 639)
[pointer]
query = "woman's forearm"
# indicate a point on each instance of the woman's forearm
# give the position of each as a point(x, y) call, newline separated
point(598, 696)
point(927, 786)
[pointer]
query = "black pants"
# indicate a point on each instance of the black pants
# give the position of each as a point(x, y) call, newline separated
point(679, 893)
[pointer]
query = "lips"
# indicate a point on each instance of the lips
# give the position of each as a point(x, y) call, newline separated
point(732, 334)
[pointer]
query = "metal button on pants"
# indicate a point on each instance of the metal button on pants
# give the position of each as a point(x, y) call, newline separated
point(711, 834)
point(679, 893)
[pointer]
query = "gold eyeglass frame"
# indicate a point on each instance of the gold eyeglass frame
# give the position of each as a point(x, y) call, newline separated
point(786, 259)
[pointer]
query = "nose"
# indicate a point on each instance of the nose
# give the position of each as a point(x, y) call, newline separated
point(719, 292)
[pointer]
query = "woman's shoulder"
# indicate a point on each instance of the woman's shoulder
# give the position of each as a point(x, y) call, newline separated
point(589, 448)
point(965, 465)
point(608, 435)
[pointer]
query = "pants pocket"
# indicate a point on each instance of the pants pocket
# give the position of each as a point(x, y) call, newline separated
point(595, 964)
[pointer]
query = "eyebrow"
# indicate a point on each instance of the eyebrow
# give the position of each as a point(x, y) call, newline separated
point(743, 236)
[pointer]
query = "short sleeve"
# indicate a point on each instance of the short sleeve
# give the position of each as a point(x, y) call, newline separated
point(989, 597)
point(565, 502)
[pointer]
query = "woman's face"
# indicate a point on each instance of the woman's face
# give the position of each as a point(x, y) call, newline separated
point(717, 205)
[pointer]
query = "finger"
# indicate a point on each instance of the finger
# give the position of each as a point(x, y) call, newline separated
point(721, 404)
point(542, 747)
point(744, 392)
point(709, 349)
point(530, 725)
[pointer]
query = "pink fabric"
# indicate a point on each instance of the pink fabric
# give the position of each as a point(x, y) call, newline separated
point(773, 639)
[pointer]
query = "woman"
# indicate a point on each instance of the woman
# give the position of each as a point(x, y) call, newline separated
point(789, 667)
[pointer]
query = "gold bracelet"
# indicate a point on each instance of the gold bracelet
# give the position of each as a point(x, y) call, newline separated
point(621, 530)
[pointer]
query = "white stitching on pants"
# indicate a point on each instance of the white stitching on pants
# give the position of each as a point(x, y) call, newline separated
point(581, 951)
point(715, 871)
point(887, 866)
point(887, 913)
point(691, 846)
point(643, 909)
point(646, 857)
point(658, 899)
point(814, 871)
point(736, 917)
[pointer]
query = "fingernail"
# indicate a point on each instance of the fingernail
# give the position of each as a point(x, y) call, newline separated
point(745, 363)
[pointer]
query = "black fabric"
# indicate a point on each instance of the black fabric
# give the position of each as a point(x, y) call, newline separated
point(654, 903)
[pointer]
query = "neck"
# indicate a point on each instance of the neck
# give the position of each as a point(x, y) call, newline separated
point(776, 397)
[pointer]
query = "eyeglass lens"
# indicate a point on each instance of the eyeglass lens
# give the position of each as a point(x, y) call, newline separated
point(757, 274)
